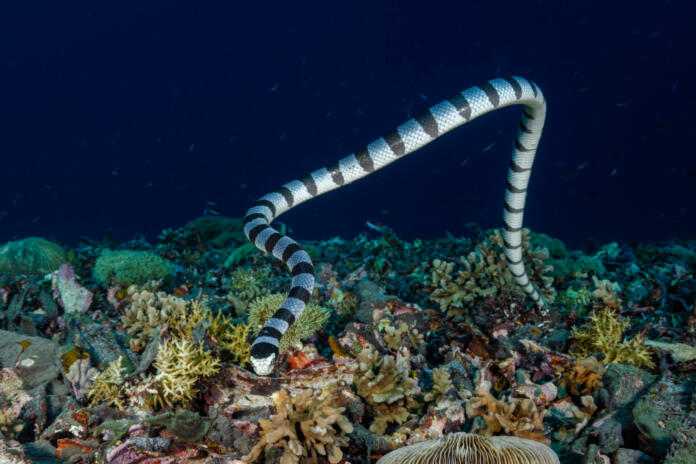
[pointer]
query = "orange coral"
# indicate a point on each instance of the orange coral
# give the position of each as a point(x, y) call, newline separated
point(584, 378)
point(512, 416)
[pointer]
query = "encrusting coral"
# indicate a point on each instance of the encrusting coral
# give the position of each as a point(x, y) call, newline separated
point(484, 273)
point(306, 426)
point(385, 384)
point(604, 335)
point(312, 319)
point(584, 378)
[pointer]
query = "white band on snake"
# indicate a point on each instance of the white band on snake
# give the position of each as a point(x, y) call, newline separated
point(405, 139)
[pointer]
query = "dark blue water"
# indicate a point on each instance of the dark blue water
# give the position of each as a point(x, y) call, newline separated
point(136, 116)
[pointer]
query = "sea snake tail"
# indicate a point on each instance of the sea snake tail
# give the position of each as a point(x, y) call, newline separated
point(407, 138)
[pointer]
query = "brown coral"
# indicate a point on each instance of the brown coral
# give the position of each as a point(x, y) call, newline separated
point(305, 426)
point(464, 448)
point(512, 416)
point(584, 378)
point(483, 273)
point(385, 385)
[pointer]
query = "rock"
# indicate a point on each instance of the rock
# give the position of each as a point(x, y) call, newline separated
point(631, 456)
point(659, 413)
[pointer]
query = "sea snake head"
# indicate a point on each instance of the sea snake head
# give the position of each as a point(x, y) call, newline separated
point(263, 358)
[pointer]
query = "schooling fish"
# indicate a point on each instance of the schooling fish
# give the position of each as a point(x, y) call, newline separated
point(488, 147)
point(376, 226)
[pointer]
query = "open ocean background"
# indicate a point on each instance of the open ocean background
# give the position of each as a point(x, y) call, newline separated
point(137, 116)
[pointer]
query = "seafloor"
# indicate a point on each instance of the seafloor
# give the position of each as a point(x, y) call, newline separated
point(138, 353)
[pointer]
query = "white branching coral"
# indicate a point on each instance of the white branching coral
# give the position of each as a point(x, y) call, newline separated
point(180, 364)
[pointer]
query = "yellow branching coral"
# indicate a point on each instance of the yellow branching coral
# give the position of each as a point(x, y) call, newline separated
point(306, 426)
point(511, 416)
point(311, 319)
point(484, 273)
point(231, 338)
point(107, 386)
point(385, 385)
point(604, 334)
point(180, 365)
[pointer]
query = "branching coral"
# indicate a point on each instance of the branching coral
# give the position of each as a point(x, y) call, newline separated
point(231, 338)
point(441, 384)
point(180, 364)
point(604, 335)
point(484, 273)
point(311, 319)
point(385, 385)
point(306, 426)
point(148, 310)
point(107, 386)
point(512, 416)
point(247, 285)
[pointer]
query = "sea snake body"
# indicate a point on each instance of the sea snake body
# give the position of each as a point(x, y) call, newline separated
point(407, 138)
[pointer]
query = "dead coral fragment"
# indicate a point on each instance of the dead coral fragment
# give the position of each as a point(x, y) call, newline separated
point(311, 319)
point(465, 448)
point(604, 334)
point(305, 427)
point(106, 387)
point(180, 365)
point(385, 385)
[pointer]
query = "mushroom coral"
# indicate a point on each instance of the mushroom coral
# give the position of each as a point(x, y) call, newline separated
point(465, 448)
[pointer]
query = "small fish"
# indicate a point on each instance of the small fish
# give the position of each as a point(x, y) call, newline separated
point(209, 202)
point(385, 211)
point(342, 83)
point(275, 87)
point(488, 147)
point(36, 219)
point(159, 140)
point(582, 165)
point(613, 172)
point(582, 89)
point(191, 147)
point(17, 198)
point(623, 104)
point(655, 35)
point(329, 114)
point(422, 95)
point(376, 226)
point(207, 211)
point(463, 163)
point(84, 143)
point(282, 136)
point(358, 111)
point(148, 183)
point(48, 186)
point(674, 86)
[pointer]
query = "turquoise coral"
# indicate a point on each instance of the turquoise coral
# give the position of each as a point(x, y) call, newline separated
point(32, 255)
point(128, 267)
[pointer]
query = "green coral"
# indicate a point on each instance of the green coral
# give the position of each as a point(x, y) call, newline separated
point(604, 335)
point(247, 284)
point(32, 255)
point(312, 319)
point(128, 267)
point(231, 339)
